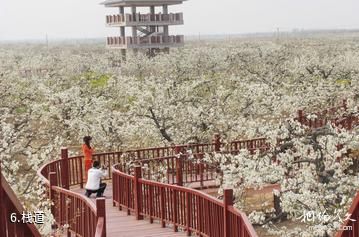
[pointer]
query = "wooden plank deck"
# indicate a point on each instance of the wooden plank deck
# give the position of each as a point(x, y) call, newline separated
point(119, 224)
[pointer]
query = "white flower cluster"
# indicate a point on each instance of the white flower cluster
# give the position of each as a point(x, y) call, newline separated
point(240, 90)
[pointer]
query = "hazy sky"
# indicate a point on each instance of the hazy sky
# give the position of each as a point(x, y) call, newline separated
point(33, 19)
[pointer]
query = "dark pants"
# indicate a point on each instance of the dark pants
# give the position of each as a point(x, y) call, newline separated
point(98, 191)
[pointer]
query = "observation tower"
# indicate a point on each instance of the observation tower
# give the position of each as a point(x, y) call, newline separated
point(148, 30)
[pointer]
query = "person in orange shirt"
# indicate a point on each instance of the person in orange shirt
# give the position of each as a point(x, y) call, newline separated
point(87, 151)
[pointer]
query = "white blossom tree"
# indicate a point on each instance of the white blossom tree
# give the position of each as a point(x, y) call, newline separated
point(243, 89)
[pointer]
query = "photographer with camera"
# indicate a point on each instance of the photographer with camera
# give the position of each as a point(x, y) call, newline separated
point(94, 176)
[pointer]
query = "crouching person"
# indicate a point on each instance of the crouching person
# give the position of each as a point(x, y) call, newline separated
point(94, 184)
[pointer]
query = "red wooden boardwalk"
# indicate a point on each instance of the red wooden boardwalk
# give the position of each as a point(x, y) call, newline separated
point(176, 206)
point(119, 224)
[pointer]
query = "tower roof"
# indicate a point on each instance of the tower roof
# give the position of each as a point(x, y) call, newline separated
point(140, 3)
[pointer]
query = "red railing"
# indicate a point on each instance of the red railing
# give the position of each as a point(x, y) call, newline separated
point(182, 167)
point(10, 208)
point(70, 208)
point(74, 210)
point(171, 204)
point(329, 116)
point(183, 163)
point(189, 209)
point(351, 228)
point(122, 190)
point(239, 224)
point(251, 145)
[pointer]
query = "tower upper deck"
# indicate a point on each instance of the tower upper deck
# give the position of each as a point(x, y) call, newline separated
point(140, 3)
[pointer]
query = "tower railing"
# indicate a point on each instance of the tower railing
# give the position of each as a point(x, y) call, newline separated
point(145, 41)
point(171, 18)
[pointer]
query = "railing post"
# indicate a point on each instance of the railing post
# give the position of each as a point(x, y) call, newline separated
point(101, 212)
point(114, 189)
point(251, 147)
point(81, 174)
point(175, 210)
point(300, 116)
point(128, 198)
point(349, 123)
point(227, 201)
point(179, 164)
point(65, 168)
point(2, 202)
point(201, 170)
point(217, 142)
point(177, 150)
point(53, 182)
point(163, 207)
point(189, 214)
point(277, 206)
point(150, 203)
point(179, 177)
point(67, 215)
point(138, 193)
point(345, 105)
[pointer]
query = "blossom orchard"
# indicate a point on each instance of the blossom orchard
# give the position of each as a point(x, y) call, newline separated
point(242, 89)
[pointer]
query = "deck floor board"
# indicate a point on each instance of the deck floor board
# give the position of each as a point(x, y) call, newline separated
point(119, 224)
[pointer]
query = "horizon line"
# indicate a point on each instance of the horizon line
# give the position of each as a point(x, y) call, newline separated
point(199, 34)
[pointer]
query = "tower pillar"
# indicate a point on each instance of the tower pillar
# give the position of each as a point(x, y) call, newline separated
point(152, 28)
point(165, 29)
point(134, 28)
point(123, 32)
point(152, 12)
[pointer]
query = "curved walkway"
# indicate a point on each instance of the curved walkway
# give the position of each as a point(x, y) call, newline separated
point(175, 206)
point(119, 224)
